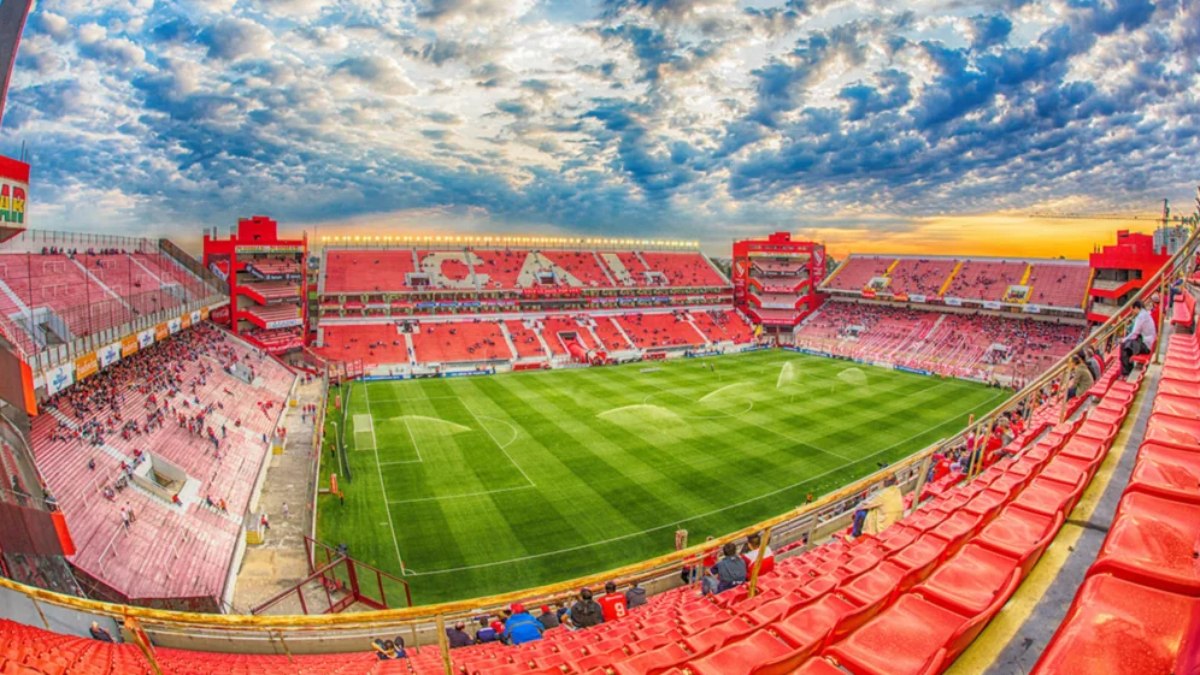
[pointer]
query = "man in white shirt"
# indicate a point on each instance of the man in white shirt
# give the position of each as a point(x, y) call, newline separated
point(1140, 340)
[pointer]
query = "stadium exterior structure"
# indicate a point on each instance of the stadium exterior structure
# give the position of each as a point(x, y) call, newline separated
point(345, 632)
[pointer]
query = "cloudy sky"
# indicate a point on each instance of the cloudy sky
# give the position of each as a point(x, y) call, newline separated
point(871, 124)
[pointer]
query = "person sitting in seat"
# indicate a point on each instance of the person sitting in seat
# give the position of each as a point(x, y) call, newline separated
point(753, 542)
point(730, 570)
point(99, 633)
point(1140, 339)
point(1081, 378)
point(884, 508)
point(383, 649)
point(521, 627)
point(485, 633)
point(457, 636)
point(612, 603)
point(585, 612)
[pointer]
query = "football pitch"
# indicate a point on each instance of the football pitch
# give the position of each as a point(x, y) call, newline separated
point(478, 485)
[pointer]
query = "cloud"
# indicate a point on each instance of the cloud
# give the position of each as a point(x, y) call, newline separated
point(378, 72)
point(702, 119)
point(234, 38)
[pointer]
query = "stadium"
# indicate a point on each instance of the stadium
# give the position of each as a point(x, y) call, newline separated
point(451, 450)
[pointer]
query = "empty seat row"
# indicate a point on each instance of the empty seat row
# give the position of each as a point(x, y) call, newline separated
point(1138, 611)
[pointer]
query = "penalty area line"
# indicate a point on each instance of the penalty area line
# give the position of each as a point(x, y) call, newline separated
point(383, 489)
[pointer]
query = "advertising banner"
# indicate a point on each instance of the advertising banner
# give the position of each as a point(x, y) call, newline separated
point(60, 378)
point(86, 366)
point(146, 337)
point(991, 304)
point(129, 345)
point(174, 325)
point(161, 332)
point(916, 297)
point(1032, 309)
point(953, 302)
point(186, 320)
point(109, 354)
point(196, 317)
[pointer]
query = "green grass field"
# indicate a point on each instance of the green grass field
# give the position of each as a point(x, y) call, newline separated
point(490, 484)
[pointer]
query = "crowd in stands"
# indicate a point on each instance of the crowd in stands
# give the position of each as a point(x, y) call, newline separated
point(516, 625)
point(201, 401)
point(976, 345)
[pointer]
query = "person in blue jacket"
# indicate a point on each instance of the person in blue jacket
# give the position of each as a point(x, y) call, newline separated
point(521, 627)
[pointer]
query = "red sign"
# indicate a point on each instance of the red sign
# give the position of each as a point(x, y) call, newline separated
point(14, 192)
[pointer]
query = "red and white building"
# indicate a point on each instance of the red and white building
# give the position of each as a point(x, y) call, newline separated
point(267, 283)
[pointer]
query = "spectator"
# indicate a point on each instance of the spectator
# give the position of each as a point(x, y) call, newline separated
point(635, 596)
point(585, 612)
point(457, 636)
point(885, 508)
point(99, 633)
point(612, 603)
point(730, 570)
point(1081, 378)
point(485, 633)
point(398, 651)
point(521, 627)
point(548, 618)
point(753, 543)
point(1140, 339)
point(384, 649)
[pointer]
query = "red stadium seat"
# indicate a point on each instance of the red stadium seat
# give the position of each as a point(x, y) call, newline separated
point(1180, 432)
point(649, 663)
point(1047, 496)
point(968, 582)
point(1168, 472)
point(1154, 541)
point(748, 656)
point(907, 638)
point(818, 666)
point(1020, 533)
point(1190, 388)
point(1179, 406)
point(1118, 627)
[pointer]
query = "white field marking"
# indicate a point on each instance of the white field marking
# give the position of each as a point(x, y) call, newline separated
point(503, 448)
point(676, 523)
point(401, 461)
point(383, 489)
point(412, 436)
point(367, 421)
point(464, 495)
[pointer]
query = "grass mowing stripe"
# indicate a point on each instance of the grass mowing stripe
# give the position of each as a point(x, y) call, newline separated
point(714, 448)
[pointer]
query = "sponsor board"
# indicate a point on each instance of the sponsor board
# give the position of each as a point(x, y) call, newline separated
point(161, 332)
point(146, 338)
point(1032, 309)
point(991, 304)
point(953, 301)
point(109, 354)
point(129, 345)
point(86, 366)
point(60, 378)
point(175, 325)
